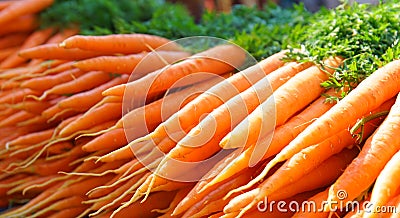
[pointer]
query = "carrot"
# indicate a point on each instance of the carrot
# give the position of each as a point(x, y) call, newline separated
point(53, 51)
point(79, 84)
point(212, 61)
point(181, 193)
point(385, 186)
point(190, 115)
point(318, 200)
point(47, 82)
point(62, 35)
point(112, 139)
point(137, 210)
point(35, 107)
point(12, 40)
point(315, 155)
point(286, 101)
point(331, 168)
point(17, 96)
point(38, 199)
point(36, 38)
point(33, 181)
point(38, 69)
point(85, 100)
point(68, 65)
point(99, 115)
point(220, 120)
point(348, 110)
point(6, 52)
point(280, 138)
point(16, 118)
point(383, 144)
point(69, 212)
point(120, 43)
point(126, 64)
point(78, 188)
point(22, 24)
point(6, 3)
point(69, 202)
point(10, 84)
point(24, 7)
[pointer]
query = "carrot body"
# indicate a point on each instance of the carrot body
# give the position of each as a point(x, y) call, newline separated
point(20, 8)
point(112, 139)
point(376, 152)
point(36, 38)
point(12, 40)
point(53, 51)
point(47, 82)
point(126, 64)
point(16, 118)
point(99, 115)
point(6, 52)
point(22, 24)
point(69, 212)
point(80, 84)
point(35, 107)
point(17, 96)
point(120, 43)
point(85, 100)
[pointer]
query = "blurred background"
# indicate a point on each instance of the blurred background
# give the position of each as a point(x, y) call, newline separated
point(197, 7)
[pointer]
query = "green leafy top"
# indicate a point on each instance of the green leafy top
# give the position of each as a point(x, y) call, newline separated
point(366, 37)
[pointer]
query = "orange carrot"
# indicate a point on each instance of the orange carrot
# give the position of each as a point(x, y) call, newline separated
point(6, 52)
point(62, 35)
point(314, 213)
point(383, 144)
point(212, 61)
point(126, 64)
point(69, 212)
point(79, 84)
point(36, 38)
point(112, 139)
point(47, 82)
point(6, 3)
point(16, 118)
point(85, 100)
point(35, 107)
point(22, 24)
point(278, 108)
point(120, 43)
point(17, 96)
point(53, 51)
point(12, 40)
point(24, 7)
point(98, 115)
point(385, 186)
point(69, 202)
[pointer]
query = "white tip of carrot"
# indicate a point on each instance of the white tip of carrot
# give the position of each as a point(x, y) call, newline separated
point(62, 45)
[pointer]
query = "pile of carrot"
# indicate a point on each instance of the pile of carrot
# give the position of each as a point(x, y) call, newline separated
point(129, 125)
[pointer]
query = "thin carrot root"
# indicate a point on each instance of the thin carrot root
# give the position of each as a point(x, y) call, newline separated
point(132, 188)
point(43, 184)
point(97, 133)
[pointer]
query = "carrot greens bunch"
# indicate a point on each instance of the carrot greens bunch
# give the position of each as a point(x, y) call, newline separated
point(366, 37)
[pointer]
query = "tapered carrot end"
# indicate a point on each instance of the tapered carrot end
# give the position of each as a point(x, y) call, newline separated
point(224, 143)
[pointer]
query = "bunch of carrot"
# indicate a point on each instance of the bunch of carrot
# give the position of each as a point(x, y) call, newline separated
point(129, 125)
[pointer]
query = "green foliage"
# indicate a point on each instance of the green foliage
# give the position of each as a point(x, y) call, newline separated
point(366, 37)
